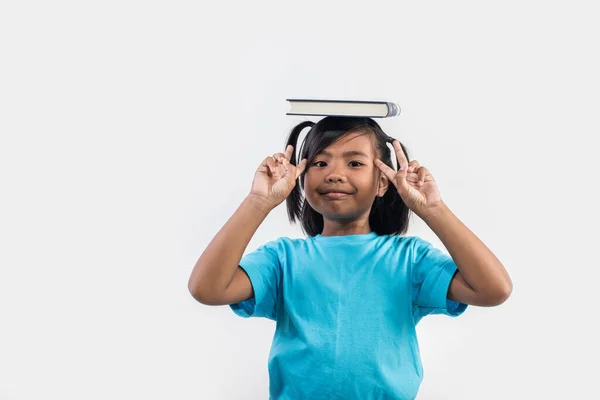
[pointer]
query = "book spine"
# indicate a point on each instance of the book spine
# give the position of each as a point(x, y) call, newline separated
point(393, 109)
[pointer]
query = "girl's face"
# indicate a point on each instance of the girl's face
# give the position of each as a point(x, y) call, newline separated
point(342, 181)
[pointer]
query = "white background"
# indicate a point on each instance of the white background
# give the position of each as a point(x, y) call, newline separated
point(131, 131)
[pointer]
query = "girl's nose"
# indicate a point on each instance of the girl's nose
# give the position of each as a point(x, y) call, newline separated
point(334, 177)
point(334, 172)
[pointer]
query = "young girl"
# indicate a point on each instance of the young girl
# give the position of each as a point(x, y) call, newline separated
point(347, 298)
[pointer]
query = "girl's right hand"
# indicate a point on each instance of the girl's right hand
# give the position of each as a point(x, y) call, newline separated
point(276, 177)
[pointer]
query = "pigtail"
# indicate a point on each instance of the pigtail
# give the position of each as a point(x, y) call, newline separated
point(389, 214)
point(293, 201)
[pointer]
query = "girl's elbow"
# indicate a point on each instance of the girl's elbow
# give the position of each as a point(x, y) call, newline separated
point(508, 288)
point(500, 296)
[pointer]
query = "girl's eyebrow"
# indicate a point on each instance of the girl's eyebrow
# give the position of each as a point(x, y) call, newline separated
point(348, 153)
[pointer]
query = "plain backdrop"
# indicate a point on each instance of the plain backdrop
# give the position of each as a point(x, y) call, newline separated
point(131, 131)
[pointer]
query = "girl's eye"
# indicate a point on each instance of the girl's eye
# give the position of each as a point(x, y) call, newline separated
point(351, 162)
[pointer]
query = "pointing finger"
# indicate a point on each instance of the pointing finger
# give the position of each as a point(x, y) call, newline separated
point(301, 167)
point(386, 170)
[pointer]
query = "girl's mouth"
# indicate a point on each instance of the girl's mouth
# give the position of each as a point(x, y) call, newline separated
point(336, 195)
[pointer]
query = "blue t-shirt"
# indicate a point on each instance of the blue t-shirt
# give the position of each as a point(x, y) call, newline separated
point(346, 308)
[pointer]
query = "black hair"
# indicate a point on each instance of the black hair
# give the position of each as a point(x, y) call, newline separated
point(389, 215)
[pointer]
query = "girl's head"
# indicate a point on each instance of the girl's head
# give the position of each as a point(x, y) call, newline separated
point(332, 148)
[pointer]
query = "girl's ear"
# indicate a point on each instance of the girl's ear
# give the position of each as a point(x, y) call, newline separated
point(384, 183)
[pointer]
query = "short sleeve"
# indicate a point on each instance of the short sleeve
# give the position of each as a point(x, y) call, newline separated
point(264, 270)
point(431, 273)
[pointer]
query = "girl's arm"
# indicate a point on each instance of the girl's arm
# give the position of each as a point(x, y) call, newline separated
point(481, 279)
point(217, 278)
point(214, 271)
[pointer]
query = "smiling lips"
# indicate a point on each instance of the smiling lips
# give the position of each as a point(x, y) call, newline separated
point(335, 195)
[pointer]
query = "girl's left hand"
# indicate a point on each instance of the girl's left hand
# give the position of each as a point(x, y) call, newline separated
point(415, 184)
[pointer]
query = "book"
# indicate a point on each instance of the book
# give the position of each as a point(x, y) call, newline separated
point(343, 108)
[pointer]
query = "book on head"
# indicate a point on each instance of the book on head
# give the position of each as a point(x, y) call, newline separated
point(343, 108)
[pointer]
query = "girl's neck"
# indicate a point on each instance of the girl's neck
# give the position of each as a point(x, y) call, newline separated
point(351, 238)
point(332, 228)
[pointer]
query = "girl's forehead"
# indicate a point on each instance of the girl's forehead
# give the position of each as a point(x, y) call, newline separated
point(353, 142)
